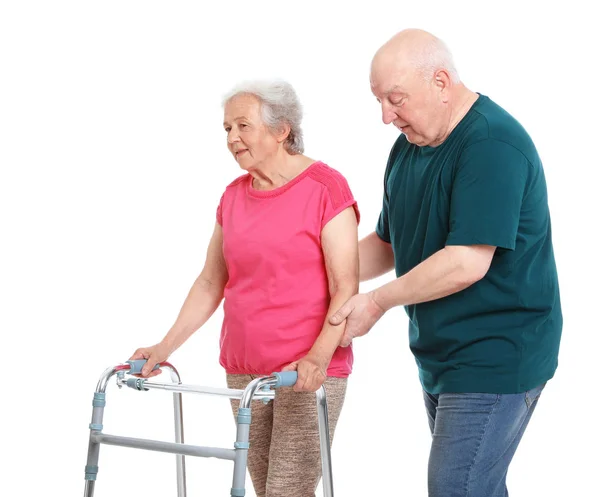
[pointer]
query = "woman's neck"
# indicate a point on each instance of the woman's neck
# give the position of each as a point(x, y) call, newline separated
point(278, 171)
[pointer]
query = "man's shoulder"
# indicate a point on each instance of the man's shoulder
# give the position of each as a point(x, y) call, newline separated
point(491, 124)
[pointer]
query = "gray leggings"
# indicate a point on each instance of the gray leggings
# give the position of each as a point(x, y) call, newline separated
point(284, 457)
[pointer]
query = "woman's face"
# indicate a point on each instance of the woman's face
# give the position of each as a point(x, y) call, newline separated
point(248, 138)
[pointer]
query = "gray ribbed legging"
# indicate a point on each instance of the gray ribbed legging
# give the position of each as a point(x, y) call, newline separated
point(284, 457)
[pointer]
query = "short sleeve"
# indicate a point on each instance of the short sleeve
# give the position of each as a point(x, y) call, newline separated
point(487, 194)
point(220, 211)
point(337, 195)
point(383, 226)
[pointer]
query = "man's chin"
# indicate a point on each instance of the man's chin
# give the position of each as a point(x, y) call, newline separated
point(414, 139)
point(406, 131)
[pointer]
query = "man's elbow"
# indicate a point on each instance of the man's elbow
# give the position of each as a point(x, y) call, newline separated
point(474, 263)
point(472, 273)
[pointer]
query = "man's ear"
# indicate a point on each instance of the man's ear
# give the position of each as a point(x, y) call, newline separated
point(443, 82)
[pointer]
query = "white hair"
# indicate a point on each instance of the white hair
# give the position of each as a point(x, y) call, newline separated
point(279, 106)
point(432, 56)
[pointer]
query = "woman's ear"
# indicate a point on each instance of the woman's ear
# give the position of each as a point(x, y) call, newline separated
point(283, 133)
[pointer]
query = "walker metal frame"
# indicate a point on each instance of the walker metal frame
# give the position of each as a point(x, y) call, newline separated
point(260, 389)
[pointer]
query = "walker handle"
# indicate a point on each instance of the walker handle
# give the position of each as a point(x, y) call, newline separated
point(137, 365)
point(285, 379)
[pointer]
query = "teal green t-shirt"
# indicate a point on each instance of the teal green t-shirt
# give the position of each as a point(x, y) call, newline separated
point(484, 185)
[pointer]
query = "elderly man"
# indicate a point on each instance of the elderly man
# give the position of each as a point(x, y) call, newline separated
point(465, 222)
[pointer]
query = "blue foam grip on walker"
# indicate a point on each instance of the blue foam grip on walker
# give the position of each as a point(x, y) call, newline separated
point(137, 365)
point(286, 379)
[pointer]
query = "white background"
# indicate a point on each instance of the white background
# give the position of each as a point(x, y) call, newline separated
point(113, 160)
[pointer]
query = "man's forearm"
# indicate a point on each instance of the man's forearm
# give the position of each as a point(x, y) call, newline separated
point(375, 257)
point(446, 272)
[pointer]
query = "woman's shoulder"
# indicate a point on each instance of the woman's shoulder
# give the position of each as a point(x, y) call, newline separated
point(335, 189)
point(327, 176)
point(237, 182)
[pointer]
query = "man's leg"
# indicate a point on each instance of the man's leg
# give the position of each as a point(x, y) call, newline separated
point(474, 439)
point(431, 402)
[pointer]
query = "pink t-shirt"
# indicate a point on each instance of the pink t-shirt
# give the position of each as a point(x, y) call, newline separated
point(277, 295)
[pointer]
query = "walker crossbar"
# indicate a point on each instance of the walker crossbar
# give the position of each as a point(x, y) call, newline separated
point(171, 447)
point(143, 384)
point(258, 389)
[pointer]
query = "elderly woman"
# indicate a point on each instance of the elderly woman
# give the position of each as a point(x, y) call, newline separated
point(283, 256)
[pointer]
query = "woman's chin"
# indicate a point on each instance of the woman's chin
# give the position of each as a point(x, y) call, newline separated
point(244, 163)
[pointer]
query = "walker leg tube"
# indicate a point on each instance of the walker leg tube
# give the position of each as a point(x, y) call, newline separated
point(91, 468)
point(325, 443)
point(89, 488)
point(181, 481)
point(238, 489)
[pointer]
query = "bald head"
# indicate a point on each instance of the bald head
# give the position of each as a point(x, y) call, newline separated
point(414, 80)
point(415, 50)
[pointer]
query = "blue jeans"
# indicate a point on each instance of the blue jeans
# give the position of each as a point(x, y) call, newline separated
point(475, 436)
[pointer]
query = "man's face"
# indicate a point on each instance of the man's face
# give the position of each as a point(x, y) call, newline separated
point(409, 101)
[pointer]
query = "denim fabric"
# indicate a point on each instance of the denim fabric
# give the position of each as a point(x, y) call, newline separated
point(475, 436)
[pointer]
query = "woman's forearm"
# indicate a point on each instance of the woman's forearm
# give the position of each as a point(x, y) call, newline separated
point(202, 301)
point(329, 338)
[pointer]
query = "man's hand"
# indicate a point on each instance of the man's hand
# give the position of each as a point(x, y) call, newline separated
point(361, 312)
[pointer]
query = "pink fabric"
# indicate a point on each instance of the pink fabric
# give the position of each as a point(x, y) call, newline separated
point(277, 296)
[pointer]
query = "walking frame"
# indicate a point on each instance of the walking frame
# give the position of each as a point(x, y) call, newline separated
point(260, 389)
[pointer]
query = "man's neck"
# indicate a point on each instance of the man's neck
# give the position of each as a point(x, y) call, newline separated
point(465, 100)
